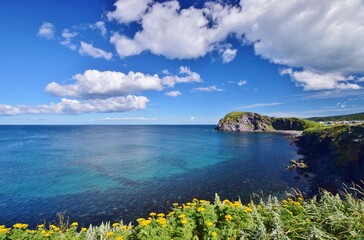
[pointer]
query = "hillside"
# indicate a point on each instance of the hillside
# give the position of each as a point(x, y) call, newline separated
point(349, 117)
point(254, 122)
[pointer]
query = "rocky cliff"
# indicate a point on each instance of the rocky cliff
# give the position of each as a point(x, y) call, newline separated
point(254, 122)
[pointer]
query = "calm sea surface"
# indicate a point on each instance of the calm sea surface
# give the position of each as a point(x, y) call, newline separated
point(108, 173)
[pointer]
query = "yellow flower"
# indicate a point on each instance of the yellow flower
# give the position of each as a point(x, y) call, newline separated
point(116, 224)
point(119, 238)
point(248, 210)
point(83, 229)
point(200, 209)
point(123, 227)
point(31, 231)
point(2, 226)
point(110, 234)
point(184, 221)
point(175, 204)
point(182, 215)
point(186, 207)
point(74, 224)
point(228, 217)
point(152, 214)
point(209, 223)
point(140, 220)
point(308, 220)
point(214, 234)
point(300, 199)
point(54, 227)
point(145, 223)
point(41, 226)
point(170, 213)
point(20, 225)
point(4, 230)
point(284, 201)
point(161, 221)
point(160, 215)
point(43, 232)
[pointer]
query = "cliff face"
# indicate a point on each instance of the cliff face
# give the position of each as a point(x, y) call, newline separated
point(253, 122)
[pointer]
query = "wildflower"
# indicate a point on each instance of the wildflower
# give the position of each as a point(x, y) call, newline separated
point(184, 221)
point(4, 230)
point(284, 201)
point(300, 199)
point(308, 220)
point(110, 234)
point(182, 216)
point(161, 221)
point(140, 220)
point(170, 213)
point(20, 225)
point(116, 224)
point(2, 226)
point(228, 217)
point(30, 231)
point(119, 238)
point(54, 227)
point(152, 214)
point(175, 204)
point(160, 215)
point(209, 223)
point(83, 229)
point(248, 210)
point(74, 224)
point(186, 207)
point(145, 223)
point(214, 234)
point(200, 209)
point(130, 226)
point(43, 232)
point(123, 227)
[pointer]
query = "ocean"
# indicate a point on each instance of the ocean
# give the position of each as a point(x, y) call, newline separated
point(107, 173)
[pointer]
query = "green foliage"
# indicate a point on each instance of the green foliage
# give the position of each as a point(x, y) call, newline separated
point(330, 217)
point(349, 117)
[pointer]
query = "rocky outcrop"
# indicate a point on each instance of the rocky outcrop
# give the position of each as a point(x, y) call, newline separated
point(254, 122)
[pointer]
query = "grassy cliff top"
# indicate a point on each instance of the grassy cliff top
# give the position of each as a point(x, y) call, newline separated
point(349, 117)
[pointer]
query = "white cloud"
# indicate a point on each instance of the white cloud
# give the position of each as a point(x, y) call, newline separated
point(94, 83)
point(242, 82)
point(46, 30)
point(69, 106)
point(104, 84)
point(100, 25)
point(173, 93)
point(257, 105)
point(166, 72)
point(324, 36)
point(212, 88)
point(89, 50)
point(128, 10)
point(67, 37)
point(361, 79)
point(313, 80)
point(228, 55)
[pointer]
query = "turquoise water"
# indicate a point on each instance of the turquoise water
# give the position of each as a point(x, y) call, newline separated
point(108, 173)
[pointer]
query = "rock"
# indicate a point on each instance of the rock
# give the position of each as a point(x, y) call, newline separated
point(254, 122)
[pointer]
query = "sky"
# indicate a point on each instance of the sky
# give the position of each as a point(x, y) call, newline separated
point(178, 62)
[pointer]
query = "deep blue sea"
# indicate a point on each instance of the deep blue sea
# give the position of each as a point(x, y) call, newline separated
point(108, 173)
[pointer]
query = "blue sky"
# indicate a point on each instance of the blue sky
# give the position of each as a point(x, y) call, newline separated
point(178, 62)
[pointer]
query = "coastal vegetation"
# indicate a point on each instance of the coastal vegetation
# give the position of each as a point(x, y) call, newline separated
point(326, 216)
point(349, 117)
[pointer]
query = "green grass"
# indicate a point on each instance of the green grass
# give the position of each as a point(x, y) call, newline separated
point(325, 217)
point(349, 117)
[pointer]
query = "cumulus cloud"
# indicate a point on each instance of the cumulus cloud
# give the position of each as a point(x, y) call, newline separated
point(128, 10)
point(46, 30)
point(173, 93)
point(325, 36)
point(67, 37)
point(242, 83)
point(105, 84)
point(361, 79)
point(89, 50)
point(94, 83)
point(212, 88)
point(71, 106)
point(100, 25)
point(314, 80)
